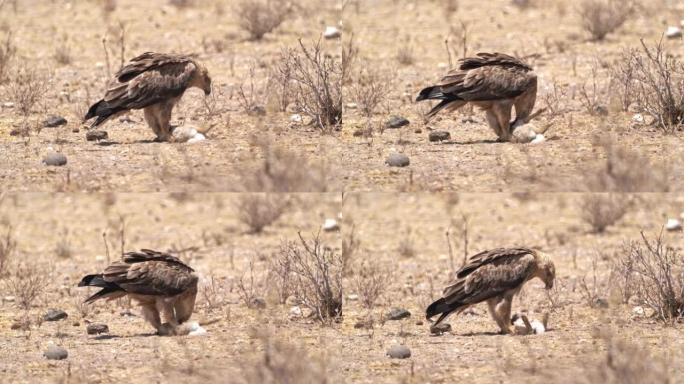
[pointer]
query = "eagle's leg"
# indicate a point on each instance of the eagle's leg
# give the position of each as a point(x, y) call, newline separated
point(493, 310)
point(151, 314)
point(493, 122)
point(524, 105)
point(184, 307)
point(151, 119)
point(164, 119)
point(504, 311)
point(502, 110)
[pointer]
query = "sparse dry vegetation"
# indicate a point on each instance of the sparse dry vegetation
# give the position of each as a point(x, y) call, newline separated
point(259, 17)
point(370, 282)
point(601, 17)
point(259, 210)
point(27, 283)
point(316, 276)
point(7, 52)
point(7, 247)
point(27, 88)
point(601, 210)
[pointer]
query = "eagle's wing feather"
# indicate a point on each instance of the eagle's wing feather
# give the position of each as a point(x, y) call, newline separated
point(491, 279)
point(151, 86)
point(490, 256)
point(151, 273)
point(487, 83)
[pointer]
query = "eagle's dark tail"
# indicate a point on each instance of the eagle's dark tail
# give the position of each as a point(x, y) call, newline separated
point(98, 281)
point(103, 111)
point(442, 308)
point(436, 93)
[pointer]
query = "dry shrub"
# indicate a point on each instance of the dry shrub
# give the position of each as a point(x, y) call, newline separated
point(654, 272)
point(625, 170)
point(259, 17)
point(213, 294)
point(182, 3)
point(601, 17)
point(315, 276)
point(623, 363)
point(316, 83)
point(655, 80)
point(282, 362)
point(259, 210)
point(63, 248)
point(251, 96)
point(283, 170)
point(28, 88)
point(370, 90)
point(601, 210)
point(62, 53)
point(593, 95)
point(7, 247)
point(595, 288)
point(555, 100)
point(27, 283)
point(371, 281)
point(7, 52)
point(350, 246)
point(405, 53)
point(407, 246)
point(250, 287)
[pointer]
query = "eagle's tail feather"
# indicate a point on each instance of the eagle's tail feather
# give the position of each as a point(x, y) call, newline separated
point(440, 307)
point(98, 281)
point(102, 110)
point(436, 93)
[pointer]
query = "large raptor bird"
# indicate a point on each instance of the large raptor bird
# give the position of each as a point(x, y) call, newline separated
point(158, 281)
point(495, 82)
point(493, 276)
point(154, 82)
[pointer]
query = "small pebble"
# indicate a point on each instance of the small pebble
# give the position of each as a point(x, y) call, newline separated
point(55, 159)
point(55, 352)
point(257, 303)
point(398, 314)
point(673, 32)
point(396, 122)
point(55, 315)
point(96, 135)
point(331, 225)
point(399, 352)
point(673, 225)
point(440, 328)
point(397, 160)
point(54, 121)
point(439, 136)
point(97, 328)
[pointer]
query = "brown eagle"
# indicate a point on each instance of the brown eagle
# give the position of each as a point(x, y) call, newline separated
point(153, 82)
point(494, 276)
point(495, 82)
point(158, 281)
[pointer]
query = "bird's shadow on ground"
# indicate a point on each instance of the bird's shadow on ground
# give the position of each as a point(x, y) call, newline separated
point(486, 333)
point(471, 142)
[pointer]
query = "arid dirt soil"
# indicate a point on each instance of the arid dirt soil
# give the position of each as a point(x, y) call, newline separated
point(128, 161)
point(549, 33)
point(403, 234)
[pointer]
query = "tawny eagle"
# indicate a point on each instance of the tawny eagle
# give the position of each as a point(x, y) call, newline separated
point(494, 277)
point(157, 281)
point(154, 82)
point(495, 82)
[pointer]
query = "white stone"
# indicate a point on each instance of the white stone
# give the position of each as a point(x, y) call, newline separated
point(673, 32)
point(295, 312)
point(681, 23)
point(638, 118)
point(99, 258)
point(352, 297)
point(330, 225)
point(681, 215)
point(8, 104)
point(673, 225)
point(296, 118)
point(352, 105)
point(332, 32)
point(99, 64)
point(442, 65)
point(638, 310)
point(9, 299)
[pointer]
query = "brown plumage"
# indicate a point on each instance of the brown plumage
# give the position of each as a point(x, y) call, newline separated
point(158, 281)
point(153, 82)
point(495, 82)
point(493, 276)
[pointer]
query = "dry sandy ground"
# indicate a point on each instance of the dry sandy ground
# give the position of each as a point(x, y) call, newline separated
point(204, 228)
point(550, 33)
point(128, 161)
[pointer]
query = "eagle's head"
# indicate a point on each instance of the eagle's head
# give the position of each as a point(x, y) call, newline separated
point(547, 271)
point(203, 80)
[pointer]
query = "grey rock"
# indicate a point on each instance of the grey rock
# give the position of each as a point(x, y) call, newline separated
point(439, 136)
point(55, 315)
point(257, 110)
point(97, 328)
point(600, 302)
point(397, 160)
point(440, 328)
point(396, 122)
point(54, 121)
point(55, 352)
point(96, 135)
point(398, 314)
point(399, 352)
point(55, 159)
